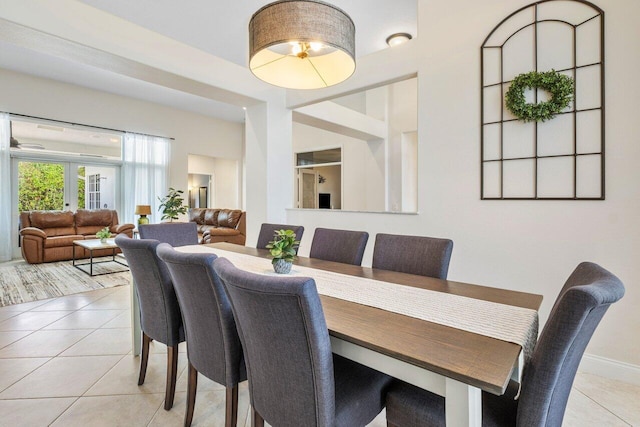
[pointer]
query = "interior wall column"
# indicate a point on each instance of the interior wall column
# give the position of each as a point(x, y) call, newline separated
point(268, 165)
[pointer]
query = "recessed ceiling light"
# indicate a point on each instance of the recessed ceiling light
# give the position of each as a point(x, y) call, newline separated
point(398, 38)
point(114, 139)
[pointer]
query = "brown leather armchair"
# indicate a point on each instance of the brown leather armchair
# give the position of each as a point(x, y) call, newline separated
point(220, 225)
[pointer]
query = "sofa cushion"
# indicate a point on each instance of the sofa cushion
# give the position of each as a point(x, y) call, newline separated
point(197, 215)
point(103, 217)
point(229, 218)
point(51, 219)
point(211, 217)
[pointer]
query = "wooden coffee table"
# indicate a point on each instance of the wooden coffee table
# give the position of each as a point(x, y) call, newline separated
point(92, 245)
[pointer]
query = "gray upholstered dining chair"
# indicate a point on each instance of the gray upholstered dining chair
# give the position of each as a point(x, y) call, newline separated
point(160, 317)
point(343, 246)
point(294, 379)
point(267, 231)
point(173, 233)
point(424, 256)
point(213, 345)
point(548, 377)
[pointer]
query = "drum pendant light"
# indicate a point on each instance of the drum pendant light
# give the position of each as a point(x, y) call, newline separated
point(301, 44)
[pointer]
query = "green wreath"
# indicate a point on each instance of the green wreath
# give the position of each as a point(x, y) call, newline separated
point(559, 85)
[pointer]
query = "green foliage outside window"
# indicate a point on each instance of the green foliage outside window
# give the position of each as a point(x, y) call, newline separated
point(41, 186)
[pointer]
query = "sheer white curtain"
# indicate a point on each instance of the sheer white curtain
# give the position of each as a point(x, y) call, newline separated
point(5, 189)
point(145, 174)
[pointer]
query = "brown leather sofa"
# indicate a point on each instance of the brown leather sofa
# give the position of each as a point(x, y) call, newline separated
point(47, 236)
point(220, 225)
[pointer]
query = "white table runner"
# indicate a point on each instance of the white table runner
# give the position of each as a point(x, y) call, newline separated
point(504, 322)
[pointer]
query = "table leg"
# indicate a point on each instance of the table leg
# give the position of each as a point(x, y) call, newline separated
point(90, 262)
point(463, 404)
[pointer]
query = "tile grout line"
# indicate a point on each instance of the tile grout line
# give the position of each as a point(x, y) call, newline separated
point(600, 405)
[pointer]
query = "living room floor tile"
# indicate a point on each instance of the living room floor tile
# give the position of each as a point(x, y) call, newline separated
point(8, 337)
point(584, 412)
point(102, 342)
point(209, 410)
point(44, 343)
point(113, 301)
point(86, 319)
point(122, 321)
point(62, 377)
point(32, 320)
point(12, 370)
point(157, 347)
point(109, 411)
point(33, 412)
point(70, 302)
point(123, 378)
point(6, 314)
point(26, 306)
point(616, 396)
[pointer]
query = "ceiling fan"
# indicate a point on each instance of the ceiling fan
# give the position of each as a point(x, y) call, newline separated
point(14, 143)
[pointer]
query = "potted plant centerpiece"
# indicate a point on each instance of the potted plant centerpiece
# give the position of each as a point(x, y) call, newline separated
point(172, 205)
point(283, 250)
point(103, 235)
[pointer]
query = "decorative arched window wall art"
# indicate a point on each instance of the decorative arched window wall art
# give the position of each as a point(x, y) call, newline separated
point(534, 156)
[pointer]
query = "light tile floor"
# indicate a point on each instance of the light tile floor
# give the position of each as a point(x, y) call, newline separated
point(67, 362)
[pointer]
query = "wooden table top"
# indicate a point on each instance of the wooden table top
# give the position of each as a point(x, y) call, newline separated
point(471, 358)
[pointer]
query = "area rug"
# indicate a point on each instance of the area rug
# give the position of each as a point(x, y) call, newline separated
point(21, 282)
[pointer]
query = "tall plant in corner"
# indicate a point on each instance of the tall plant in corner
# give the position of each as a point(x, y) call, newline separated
point(172, 205)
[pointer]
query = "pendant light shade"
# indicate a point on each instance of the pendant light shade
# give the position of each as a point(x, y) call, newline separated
point(301, 44)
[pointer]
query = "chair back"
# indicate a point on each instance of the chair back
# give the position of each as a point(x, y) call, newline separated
point(173, 233)
point(214, 347)
point(267, 232)
point(339, 245)
point(425, 256)
point(160, 316)
point(548, 377)
point(286, 346)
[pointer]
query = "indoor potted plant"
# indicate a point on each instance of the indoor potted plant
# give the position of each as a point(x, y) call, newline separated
point(283, 250)
point(172, 205)
point(103, 235)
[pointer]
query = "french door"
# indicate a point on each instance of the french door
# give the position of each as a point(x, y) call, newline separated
point(42, 184)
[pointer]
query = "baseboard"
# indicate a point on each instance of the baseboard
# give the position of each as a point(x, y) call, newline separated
point(610, 368)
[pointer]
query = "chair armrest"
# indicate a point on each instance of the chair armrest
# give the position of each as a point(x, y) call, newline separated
point(33, 231)
point(123, 228)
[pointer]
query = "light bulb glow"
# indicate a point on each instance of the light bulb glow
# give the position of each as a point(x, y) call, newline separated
point(296, 48)
point(315, 46)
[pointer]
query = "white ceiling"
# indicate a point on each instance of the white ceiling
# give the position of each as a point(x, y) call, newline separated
point(217, 27)
point(220, 27)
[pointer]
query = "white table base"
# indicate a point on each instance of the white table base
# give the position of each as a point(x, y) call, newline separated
point(463, 402)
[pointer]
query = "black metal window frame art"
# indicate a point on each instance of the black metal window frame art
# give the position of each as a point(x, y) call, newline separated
point(574, 110)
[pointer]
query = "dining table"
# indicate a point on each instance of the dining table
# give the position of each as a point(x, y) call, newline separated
point(450, 338)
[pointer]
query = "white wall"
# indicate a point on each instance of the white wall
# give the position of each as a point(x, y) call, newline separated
point(227, 185)
point(529, 246)
point(193, 133)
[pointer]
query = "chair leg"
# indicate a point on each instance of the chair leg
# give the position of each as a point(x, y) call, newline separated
point(256, 419)
point(231, 412)
point(144, 358)
point(172, 372)
point(192, 385)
